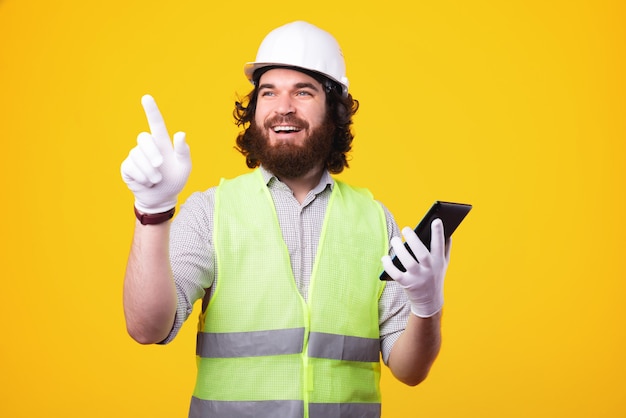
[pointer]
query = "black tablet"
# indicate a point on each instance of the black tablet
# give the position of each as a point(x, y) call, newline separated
point(451, 214)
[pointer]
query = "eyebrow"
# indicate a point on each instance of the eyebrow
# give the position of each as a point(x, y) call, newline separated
point(302, 85)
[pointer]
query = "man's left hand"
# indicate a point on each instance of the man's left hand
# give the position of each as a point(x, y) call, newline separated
point(423, 279)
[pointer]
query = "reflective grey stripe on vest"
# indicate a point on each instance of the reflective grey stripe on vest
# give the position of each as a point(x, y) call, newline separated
point(344, 410)
point(250, 344)
point(343, 347)
point(245, 409)
point(286, 341)
point(280, 409)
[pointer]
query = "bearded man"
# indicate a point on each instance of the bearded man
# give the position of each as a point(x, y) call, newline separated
point(286, 258)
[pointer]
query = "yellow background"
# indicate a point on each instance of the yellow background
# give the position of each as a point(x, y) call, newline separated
point(517, 107)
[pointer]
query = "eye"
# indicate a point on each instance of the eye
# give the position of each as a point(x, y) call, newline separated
point(267, 93)
point(304, 93)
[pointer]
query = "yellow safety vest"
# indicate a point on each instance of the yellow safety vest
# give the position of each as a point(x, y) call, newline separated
point(263, 351)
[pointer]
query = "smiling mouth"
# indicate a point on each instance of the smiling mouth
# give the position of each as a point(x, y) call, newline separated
point(286, 129)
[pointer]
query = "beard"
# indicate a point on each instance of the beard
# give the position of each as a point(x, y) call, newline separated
point(286, 159)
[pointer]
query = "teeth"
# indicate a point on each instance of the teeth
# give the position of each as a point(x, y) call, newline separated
point(285, 129)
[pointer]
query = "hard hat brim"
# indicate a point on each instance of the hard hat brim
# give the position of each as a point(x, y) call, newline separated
point(250, 68)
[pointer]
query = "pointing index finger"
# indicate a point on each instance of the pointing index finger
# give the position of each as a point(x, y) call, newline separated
point(155, 120)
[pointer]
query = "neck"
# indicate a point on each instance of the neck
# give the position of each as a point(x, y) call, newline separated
point(301, 186)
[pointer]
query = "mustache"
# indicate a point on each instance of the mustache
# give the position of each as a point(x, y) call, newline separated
point(286, 120)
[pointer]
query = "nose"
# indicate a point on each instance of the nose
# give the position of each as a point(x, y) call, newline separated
point(284, 105)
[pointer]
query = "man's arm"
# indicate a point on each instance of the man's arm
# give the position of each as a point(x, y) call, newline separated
point(416, 349)
point(149, 291)
point(155, 171)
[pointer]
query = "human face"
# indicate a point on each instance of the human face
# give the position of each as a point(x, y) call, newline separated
point(290, 105)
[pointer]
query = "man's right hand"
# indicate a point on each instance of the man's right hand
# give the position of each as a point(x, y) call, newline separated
point(155, 171)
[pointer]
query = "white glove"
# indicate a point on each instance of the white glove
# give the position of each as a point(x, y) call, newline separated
point(423, 279)
point(155, 171)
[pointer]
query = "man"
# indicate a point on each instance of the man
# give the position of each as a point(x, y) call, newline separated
point(286, 258)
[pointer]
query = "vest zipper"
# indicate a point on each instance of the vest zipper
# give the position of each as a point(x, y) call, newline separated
point(307, 372)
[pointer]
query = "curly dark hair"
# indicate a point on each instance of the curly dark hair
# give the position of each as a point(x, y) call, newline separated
point(340, 110)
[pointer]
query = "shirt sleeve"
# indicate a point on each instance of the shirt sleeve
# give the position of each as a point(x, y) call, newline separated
point(393, 307)
point(192, 254)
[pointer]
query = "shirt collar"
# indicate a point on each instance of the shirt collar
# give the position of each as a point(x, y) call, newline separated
point(325, 180)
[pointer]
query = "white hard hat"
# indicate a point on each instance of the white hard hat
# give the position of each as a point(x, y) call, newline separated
point(301, 44)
